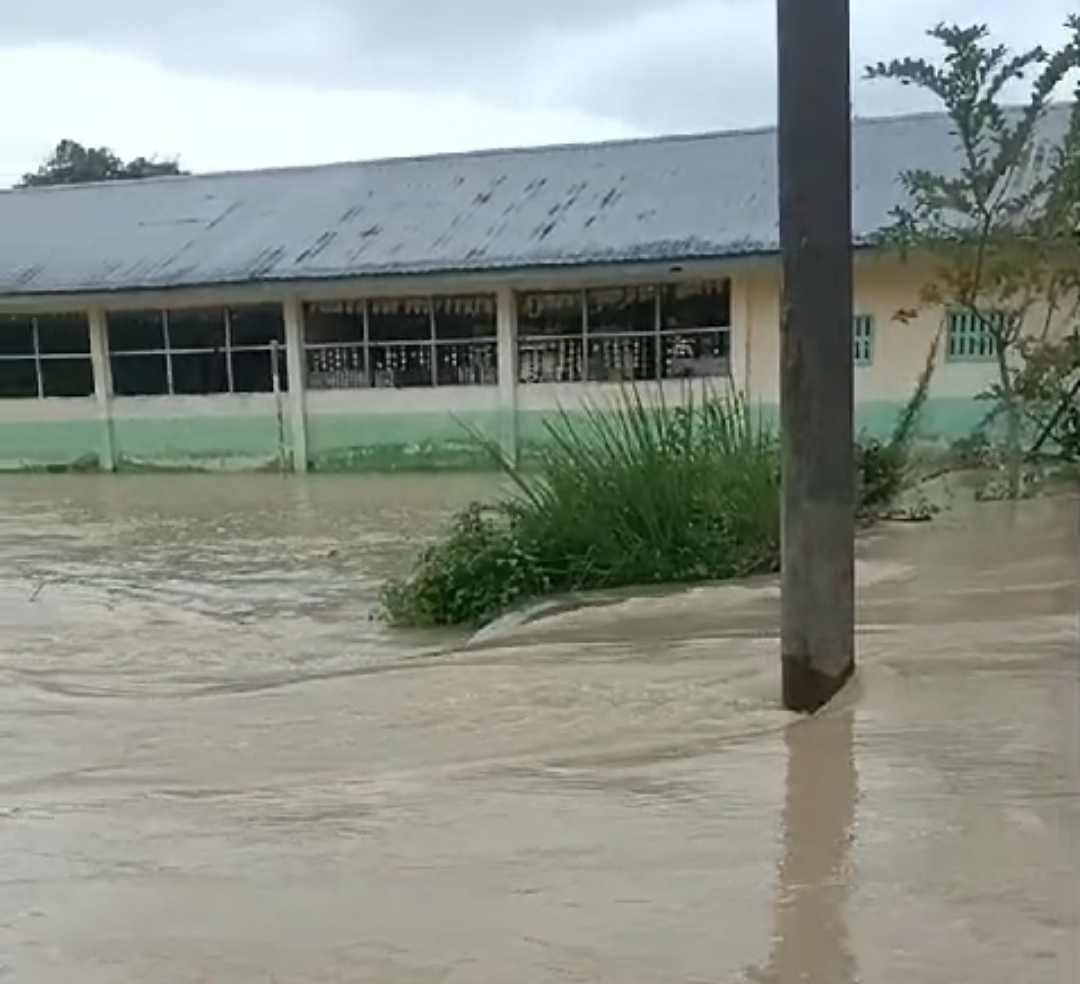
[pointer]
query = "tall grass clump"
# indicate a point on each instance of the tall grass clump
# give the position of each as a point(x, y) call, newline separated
point(632, 493)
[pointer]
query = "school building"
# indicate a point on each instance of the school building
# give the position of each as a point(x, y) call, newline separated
point(364, 315)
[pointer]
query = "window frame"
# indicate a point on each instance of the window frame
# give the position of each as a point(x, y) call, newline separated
point(983, 320)
point(227, 350)
point(38, 358)
point(366, 353)
point(580, 347)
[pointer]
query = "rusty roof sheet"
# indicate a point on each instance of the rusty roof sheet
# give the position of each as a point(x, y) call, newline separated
point(659, 199)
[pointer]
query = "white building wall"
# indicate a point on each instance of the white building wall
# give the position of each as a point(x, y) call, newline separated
point(300, 425)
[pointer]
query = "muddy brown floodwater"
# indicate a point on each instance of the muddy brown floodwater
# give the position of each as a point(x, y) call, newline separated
point(215, 768)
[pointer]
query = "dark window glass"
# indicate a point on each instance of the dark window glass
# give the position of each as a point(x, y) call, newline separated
point(337, 367)
point(704, 304)
point(67, 377)
point(326, 324)
point(622, 359)
point(199, 372)
point(467, 364)
point(63, 334)
point(253, 371)
point(139, 375)
point(464, 317)
point(283, 371)
point(405, 319)
point(551, 361)
point(551, 313)
point(136, 331)
point(256, 325)
point(622, 310)
point(696, 355)
point(18, 378)
point(196, 329)
point(16, 335)
point(401, 365)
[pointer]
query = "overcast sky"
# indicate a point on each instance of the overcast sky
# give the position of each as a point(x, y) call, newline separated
point(252, 83)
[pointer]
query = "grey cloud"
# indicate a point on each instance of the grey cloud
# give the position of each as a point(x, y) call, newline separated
point(654, 64)
point(708, 64)
point(334, 41)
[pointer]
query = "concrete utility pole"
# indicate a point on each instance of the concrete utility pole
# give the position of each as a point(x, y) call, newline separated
point(816, 362)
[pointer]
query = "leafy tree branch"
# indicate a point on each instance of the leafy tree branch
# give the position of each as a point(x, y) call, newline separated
point(1001, 228)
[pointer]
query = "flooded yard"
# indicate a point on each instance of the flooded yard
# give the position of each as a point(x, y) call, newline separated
point(214, 766)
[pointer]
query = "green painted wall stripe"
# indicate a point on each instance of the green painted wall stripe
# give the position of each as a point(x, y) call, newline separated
point(53, 443)
point(371, 442)
point(178, 438)
point(377, 442)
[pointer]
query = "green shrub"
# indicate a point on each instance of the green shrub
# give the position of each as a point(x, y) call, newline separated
point(632, 494)
point(477, 570)
point(624, 495)
point(882, 468)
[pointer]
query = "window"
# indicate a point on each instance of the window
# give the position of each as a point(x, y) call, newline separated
point(970, 335)
point(645, 332)
point(402, 342)
point(197, 351)
point(44, 356)
point(256, 345)
point(137, 354)
point(551, 337)
point(695, 329)
point(466, 350)
point(335, 337)
point(862, 339)
point(620, 326)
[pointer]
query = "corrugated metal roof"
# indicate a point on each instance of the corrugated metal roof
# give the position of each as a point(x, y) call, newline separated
point(669, 198)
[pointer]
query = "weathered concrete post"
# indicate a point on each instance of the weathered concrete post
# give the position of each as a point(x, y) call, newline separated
point(103, 385)
point(296, 366)
point(506, 324)
point(816, 362)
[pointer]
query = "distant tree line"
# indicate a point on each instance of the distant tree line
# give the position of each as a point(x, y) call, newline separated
point(71, 163)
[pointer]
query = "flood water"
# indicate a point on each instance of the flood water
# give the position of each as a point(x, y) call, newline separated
point(215, 767)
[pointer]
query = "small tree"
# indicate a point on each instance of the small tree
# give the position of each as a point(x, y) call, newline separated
point(1001, 228)
point(72, 163)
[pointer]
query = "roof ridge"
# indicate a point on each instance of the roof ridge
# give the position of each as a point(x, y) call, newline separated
point(860, 122)
point(641, 200)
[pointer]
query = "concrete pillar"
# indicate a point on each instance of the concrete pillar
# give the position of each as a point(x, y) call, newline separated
point(506, 322)
point(741, 331)
point(817, 631)
point(296, 366)
point(103, 385)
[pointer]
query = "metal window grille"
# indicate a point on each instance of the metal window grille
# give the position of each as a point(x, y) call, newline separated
point(456, 346)
point(623, 334)
point(970, 335)
point(862, 338)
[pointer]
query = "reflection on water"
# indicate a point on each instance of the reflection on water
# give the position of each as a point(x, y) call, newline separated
point(215, 766)
point(812, 941)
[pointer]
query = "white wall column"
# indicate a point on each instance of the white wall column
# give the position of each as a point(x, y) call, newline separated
point(296, 366)
point(506, 325)
point(103, 385)
point(742, 330)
